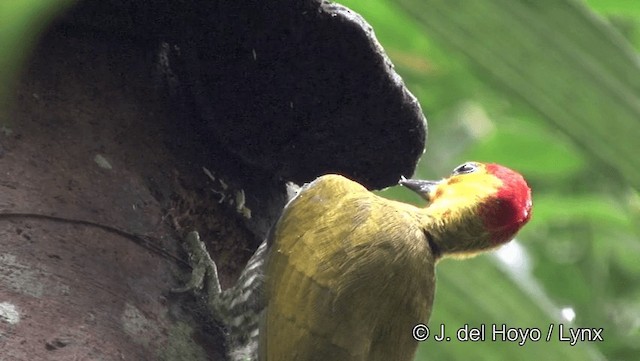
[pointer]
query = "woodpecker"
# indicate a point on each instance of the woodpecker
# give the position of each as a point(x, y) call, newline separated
point(345, 274)
point(349, 273)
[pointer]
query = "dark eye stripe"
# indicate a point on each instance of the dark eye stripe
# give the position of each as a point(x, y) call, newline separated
point(465, 168)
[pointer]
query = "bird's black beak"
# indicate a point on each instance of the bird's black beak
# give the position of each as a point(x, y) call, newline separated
point(422, 187)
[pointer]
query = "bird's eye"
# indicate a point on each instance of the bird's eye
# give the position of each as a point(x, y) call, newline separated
point(465, 168)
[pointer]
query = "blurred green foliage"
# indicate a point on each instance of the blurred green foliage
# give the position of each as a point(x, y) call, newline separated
point(550, 88)
point(21, 21)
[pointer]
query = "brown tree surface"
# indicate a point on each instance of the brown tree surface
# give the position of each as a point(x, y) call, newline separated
point(103, 158)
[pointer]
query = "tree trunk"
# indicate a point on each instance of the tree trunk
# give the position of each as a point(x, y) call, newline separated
point(87, 143)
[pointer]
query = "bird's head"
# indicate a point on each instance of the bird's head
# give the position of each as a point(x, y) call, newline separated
point(478, 207)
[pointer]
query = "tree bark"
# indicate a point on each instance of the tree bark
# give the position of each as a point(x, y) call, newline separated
point(136, 122)
point(86, 143)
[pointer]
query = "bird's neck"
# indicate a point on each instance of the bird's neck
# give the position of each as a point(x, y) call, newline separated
point(455, 231)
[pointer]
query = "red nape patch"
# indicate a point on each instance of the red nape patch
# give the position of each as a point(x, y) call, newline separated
point(510, 208)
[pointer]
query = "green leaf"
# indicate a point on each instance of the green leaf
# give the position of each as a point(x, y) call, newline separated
point(540, 153)
point(476, 292)
point(557, 57)
point(558, 209)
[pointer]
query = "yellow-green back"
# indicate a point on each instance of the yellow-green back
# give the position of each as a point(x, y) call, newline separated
point(349, 275)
